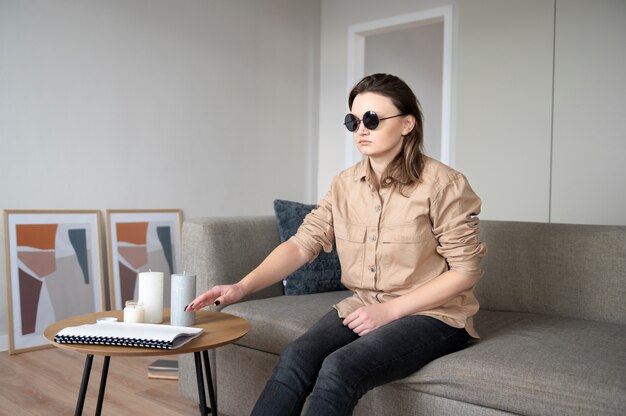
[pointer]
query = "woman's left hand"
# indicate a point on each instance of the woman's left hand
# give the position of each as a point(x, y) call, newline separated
point(368, 318)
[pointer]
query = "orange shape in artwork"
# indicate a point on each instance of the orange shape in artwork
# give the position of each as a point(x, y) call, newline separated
point(39, 236)
point(132, 232)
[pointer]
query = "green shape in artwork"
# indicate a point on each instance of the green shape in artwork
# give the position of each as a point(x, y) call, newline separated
point(165, 238)
point(78, 238)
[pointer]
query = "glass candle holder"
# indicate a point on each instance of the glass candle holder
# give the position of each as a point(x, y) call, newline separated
point(133, 312)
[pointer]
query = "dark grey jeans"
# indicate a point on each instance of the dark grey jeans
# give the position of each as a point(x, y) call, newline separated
point(337, 367)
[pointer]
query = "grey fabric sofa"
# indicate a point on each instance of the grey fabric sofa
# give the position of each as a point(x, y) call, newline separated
point(552, 322)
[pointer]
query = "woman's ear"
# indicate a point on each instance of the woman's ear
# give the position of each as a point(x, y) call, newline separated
point(408, 124)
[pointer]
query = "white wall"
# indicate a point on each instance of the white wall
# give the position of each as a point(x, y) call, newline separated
point(533, 149)
point(157, 104)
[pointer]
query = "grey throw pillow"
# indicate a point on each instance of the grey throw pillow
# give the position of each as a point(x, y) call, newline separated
point(321, 275)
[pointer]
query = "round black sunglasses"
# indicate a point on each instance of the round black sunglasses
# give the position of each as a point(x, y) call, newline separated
point(370, 120)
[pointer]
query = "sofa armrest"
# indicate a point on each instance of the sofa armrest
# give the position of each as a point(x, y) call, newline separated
point(222, 250)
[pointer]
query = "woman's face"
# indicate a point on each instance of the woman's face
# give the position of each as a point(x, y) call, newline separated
point(385, 141)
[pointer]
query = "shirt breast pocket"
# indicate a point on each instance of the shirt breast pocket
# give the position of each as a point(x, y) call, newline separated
point(404, 248)
point(350, 242)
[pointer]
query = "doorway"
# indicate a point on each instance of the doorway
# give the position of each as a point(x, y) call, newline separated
point(418, 48)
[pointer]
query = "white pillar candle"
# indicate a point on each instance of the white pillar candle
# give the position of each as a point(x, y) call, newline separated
point(150, 293)
point(183, 292)
point(133, 312)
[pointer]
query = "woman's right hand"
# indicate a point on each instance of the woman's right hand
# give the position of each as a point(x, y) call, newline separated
point(281, 262)
point(217, 295)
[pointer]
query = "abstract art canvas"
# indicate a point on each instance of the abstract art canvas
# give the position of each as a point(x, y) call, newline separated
point(140, 241)
point(53, 271)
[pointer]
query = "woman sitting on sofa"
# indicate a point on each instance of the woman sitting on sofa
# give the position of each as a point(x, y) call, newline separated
point(406, 231)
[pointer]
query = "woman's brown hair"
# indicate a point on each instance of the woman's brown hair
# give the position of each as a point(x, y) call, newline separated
point(406, 168)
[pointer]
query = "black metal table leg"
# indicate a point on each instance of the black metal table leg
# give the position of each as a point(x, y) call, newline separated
point(209, 382)
point(103, 384)
point(201, 395)
point(83, 385)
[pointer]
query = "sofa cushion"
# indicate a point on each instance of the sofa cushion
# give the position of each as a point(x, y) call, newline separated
point(277, 321)
point(321, 275)
point(534, 364)
point(525, 363)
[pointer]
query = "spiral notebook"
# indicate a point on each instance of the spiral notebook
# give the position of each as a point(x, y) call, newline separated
point(128, 335)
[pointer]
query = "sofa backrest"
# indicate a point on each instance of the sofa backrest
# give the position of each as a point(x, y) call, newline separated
point(222, 250)
point(559, 269)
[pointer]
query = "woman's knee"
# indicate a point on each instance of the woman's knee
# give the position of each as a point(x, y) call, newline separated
point(296, 352)
point(337, 369)
point(300, 358)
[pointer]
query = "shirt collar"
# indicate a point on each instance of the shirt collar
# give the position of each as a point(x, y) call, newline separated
point(363, 171)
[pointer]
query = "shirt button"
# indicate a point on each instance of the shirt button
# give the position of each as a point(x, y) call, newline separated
point(372, 269)
point(377, 208)
point(372, 237)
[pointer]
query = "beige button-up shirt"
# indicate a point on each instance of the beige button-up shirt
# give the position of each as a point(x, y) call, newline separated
point(389, 244)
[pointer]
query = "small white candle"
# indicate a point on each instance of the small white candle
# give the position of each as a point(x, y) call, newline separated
point(150, 292)
point(183, 292)
point(133, 312)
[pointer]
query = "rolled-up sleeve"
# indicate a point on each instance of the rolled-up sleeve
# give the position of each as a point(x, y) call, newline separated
point(454, 214)
point(316, 232)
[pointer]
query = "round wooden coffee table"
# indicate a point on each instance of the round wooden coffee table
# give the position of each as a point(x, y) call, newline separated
point(219, 329)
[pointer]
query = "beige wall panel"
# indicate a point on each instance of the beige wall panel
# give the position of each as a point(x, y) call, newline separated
point(504, 90)
point(589, 173)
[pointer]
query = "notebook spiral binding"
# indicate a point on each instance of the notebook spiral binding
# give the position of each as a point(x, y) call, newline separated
point(114, 341)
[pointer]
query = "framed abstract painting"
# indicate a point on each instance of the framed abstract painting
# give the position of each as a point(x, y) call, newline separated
point(53, 271)
point(140, 241)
